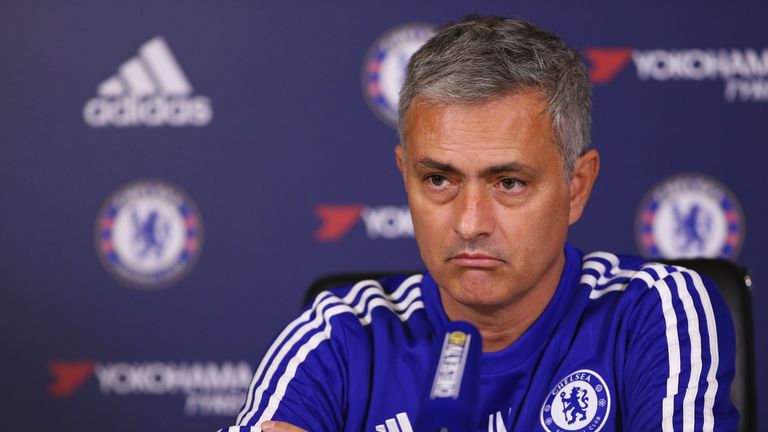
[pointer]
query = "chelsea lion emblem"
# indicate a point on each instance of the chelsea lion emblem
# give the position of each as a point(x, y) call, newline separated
point(579, 402)
point(385, 64)
point(689, 216)
point(148, 234)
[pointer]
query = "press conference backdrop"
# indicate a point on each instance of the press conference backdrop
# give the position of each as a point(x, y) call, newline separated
point(174, 174)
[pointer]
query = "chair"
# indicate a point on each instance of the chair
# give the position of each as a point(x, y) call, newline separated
point(734, 284)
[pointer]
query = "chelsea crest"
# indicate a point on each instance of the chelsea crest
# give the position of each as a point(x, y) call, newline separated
point(579, 402)
point(689, 216)
point(385, 64)
point(148, 234)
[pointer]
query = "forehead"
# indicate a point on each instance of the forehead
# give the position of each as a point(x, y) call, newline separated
point(514, 126)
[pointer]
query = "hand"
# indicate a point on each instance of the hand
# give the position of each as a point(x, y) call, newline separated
point(276, 426)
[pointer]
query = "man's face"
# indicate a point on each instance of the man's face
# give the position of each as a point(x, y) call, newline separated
point(489, 197)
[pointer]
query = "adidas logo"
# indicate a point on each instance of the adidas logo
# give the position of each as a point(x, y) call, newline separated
point(148, 90)
point(398, 424)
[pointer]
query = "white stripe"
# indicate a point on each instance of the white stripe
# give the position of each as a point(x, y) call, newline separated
point(293, 364)
point(673, 345)
point(392, 425)
point(646, 277)
point(134, 74)
point(712, 384)
point(405, 424)
point(381, 428)
point(596, 294)
point(692, 318)
point(368, 285)
point(164, 67)
point(321, 301)
point(606, 274)
point(394, 307)
point(112, 86)
point(284, 349)
point(496, 423)
point(319, 306)
point(673, 342)
point(298, 359)
point(499, 423)
point(284, 334)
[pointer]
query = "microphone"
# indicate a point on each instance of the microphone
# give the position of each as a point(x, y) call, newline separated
point(449, 402)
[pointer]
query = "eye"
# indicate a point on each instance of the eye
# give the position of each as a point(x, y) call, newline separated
point(436, 180)
point(510, 183)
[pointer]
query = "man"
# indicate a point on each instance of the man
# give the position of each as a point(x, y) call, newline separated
point(495, 124)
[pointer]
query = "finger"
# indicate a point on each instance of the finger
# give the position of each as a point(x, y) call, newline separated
point(276, 426)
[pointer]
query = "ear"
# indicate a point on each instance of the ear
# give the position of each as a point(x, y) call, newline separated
point(584, 175)
point(400, 158)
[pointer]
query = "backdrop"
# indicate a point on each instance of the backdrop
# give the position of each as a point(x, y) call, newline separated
point(175, 174)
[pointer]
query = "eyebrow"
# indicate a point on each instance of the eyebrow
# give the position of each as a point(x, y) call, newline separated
point(509, 167)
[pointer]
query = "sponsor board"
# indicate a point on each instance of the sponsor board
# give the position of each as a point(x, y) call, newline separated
point(690, 216)
point(208, 388)
point(743, 71)
point(148, 234)
point(150, 89)
point(384, 67)
point(381, 222)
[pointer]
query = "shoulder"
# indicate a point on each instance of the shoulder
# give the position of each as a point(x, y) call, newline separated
point(604, 273)
point(394, 297)
point(642, 289)
point(675, 339)
point(654, 294)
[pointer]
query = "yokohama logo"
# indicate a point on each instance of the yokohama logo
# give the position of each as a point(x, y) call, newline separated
point(150, 89)
point(68, 377)
point(744, 71)
point(209, 388)
point(387, 222)
point(607, 63)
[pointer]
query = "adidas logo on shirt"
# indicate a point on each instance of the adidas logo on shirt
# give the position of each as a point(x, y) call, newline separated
point(148, 90)
point(398, 424)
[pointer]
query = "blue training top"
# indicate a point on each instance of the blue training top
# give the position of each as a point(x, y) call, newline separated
point(624, 345)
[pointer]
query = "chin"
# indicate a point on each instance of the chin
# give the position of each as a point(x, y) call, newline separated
point(471, 293)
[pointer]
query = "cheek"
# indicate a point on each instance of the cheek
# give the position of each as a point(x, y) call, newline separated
point(428, 223)
point(430, 226)
point(538, 224)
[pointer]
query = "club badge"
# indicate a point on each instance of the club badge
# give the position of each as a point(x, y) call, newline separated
point(579, 402)
point(385, 64)
point(690, 216)
point(149, 234)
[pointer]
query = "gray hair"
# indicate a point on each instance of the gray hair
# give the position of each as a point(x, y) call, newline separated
point(482, 58)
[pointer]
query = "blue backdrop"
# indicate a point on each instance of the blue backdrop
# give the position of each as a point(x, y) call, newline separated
point(245, 128)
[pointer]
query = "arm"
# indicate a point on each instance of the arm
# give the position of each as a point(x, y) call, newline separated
point(680, 357)
point(301, 380)
point(273, 426)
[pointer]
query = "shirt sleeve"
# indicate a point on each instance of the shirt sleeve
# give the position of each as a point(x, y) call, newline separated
point(301, 378)
point(680, 356)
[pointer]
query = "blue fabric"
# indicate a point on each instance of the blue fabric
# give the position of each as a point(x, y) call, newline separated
point(619, 337)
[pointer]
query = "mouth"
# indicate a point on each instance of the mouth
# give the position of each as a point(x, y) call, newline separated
point(475, 260)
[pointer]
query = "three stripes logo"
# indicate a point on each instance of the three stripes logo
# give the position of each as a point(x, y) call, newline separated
point(398, 424)
point(150, 89)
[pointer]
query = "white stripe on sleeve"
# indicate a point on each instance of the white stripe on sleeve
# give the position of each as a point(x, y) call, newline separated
point(712, 384)
point(411, 303)
point(692, 318)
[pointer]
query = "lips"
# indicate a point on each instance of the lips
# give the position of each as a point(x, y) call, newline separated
point(477, 260)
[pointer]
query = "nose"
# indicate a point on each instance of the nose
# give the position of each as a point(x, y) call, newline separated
point(475, 213)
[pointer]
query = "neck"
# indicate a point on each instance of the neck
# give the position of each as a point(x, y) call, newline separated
point(501, 325)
